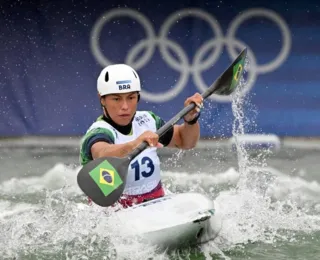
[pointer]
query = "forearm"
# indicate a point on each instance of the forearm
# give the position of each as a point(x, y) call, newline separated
point(189, 135)
point(113, 150)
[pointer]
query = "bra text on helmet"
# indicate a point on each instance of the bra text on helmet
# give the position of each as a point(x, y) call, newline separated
point(122, 87)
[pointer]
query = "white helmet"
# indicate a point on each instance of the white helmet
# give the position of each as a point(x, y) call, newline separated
point(118, 78)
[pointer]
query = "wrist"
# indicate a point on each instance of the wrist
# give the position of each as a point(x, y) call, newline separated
point(193, 121)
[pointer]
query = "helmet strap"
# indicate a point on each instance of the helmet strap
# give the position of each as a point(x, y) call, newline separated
point(105, 111)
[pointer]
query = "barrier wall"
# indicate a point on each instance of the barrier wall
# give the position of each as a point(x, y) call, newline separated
point(52, 53)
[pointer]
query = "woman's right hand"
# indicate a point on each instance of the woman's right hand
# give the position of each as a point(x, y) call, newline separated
point(151, 138)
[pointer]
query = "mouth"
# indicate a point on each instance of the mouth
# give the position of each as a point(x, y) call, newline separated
point(124, 115)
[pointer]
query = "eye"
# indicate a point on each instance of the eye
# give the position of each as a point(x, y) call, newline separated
point(116, 99)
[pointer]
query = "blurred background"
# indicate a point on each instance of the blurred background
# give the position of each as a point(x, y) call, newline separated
point(51, 55)
point(53, 51)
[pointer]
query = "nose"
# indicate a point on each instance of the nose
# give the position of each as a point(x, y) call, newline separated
point(124, 105)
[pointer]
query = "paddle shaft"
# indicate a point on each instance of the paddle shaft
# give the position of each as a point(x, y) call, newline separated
point(172, 121)
point(89, 177)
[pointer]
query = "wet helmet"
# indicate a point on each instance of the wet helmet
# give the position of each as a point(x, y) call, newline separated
point(117, 79)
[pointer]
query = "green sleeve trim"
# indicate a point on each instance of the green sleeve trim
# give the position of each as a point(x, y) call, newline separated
point(95, 135)
point(100, 131)
point(159, 121)
point(99, 118)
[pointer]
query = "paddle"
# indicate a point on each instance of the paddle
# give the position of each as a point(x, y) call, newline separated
point(104, 179)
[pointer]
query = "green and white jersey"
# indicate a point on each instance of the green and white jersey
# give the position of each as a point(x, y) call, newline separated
point(144, 170)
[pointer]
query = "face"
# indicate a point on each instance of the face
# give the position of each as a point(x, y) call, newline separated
point(121, 107)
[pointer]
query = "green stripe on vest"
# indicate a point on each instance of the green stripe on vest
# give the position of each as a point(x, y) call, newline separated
point(85, 157)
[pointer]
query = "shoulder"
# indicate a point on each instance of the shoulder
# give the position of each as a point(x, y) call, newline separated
point(99, 130)
point(152, 116)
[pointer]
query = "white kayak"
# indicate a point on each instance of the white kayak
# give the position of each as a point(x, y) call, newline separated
point(173, 221)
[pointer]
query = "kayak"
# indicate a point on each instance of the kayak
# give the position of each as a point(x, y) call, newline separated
point(172, 221)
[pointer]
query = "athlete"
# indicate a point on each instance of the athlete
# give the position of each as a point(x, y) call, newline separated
point(121, 128)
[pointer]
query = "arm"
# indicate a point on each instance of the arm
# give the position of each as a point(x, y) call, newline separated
point(99, 142)
point(107, 149)
point(104, 149)
point(185, 136)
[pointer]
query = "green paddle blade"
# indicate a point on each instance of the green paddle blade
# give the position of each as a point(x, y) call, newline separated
point(103, 180)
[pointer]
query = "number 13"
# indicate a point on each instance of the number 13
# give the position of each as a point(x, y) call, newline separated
point(136, 166)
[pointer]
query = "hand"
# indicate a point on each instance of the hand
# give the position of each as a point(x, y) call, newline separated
point(198, 100)
point(151, 138)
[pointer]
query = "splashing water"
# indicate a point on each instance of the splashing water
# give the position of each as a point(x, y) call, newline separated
point(249, 179)
point(239, 129)
point(251, 211)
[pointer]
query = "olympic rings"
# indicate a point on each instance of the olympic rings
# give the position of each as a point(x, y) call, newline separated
point(198, 65)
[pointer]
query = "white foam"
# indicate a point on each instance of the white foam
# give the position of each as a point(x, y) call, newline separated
point(57, 177)
point(247, 214)
point(207, 179)
point(8, 209)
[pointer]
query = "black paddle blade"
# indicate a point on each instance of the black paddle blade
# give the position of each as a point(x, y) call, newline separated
point(228, 81)
point(103, 180)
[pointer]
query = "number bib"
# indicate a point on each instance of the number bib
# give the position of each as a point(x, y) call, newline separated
point(144, 170)
point(143, 173)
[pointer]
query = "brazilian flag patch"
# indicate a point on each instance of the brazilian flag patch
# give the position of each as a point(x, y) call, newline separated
point(237, 72)
point(106, 177)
